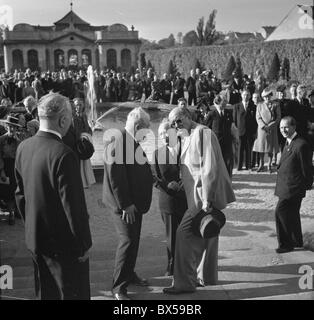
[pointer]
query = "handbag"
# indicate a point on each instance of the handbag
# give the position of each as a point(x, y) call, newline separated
point(208, 225)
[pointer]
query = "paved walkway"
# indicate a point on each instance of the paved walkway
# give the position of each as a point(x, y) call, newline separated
point(249, 268)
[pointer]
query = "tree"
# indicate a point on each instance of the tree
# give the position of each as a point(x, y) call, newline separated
point(190, 39)
point(238, 68)
point(198, 65)
point(286, 68)
point(172, 69)
point(229, 69)
point(142, 61)
point(179, 37)
point(210, 34)
point(167, 42)
point(273, 73)
point(200, 31)
point(149, 65)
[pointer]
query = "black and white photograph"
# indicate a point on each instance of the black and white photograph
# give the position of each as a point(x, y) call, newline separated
point(157, 151)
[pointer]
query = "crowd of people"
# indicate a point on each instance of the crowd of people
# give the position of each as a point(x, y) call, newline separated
point(44, 135)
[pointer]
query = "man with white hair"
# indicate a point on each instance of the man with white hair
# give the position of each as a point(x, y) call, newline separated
point(127, 193)
point(207, 186)
point(51, 200)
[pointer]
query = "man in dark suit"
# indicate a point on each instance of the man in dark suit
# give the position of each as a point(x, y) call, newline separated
point(51, 199)
point(293, 179)
point(220, 121)
point(244, 117)
point(127, 193)
point(178, 88)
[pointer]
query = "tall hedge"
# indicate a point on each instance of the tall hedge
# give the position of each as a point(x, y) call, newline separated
point(273, 73)
point(254, 55)
point(227, 75)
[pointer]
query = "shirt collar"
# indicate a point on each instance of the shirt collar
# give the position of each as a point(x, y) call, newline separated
point(51, 131)
point(291, 138)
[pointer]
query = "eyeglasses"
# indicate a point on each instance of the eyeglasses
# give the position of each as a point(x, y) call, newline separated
point(176, 122)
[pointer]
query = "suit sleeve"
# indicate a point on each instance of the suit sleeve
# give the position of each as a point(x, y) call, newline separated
point(19, 192)
point(117, 173)
point(305, 157)
point(72, 197)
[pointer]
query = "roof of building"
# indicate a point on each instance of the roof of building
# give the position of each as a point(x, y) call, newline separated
point(71, 17)
point(298, 23)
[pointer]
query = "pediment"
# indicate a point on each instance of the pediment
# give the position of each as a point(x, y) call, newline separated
point(72, 37)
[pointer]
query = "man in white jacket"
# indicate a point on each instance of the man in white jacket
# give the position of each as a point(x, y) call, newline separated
point(207, 186)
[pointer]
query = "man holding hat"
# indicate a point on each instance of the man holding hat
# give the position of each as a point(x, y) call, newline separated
point(208, 187)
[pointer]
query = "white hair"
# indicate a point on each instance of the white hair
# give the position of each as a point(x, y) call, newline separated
point(138, 116)
point(51, 105)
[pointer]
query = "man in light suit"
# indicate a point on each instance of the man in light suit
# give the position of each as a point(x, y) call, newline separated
point(207, 185)
point(244, 117)
point(294, 177)
point(51, 199)
point(127, 193)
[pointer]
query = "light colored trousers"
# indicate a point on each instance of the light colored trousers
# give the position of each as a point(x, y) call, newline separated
point(196, 259)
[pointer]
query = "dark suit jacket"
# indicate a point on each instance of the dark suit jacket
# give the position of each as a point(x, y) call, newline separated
point(165, 169)
point(126, 180)
point(51, 198)
point(221, 125)
point(245, 121)
point(294, 175)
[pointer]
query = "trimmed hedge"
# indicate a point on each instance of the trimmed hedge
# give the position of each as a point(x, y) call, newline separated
point(253, 55)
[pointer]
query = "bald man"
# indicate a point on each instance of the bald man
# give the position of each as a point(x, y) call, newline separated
point(51, 199)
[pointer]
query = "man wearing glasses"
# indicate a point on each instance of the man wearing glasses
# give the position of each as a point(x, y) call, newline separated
point(207, 185)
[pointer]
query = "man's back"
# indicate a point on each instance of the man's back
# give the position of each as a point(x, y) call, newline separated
point(51, 198)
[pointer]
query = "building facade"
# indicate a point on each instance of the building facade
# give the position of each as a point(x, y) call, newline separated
point(70, 43)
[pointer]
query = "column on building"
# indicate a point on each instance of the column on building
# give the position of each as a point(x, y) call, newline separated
point(66, 58)
point(42, 58)
point(102, 56)
point(25, 58)
point(118, 50)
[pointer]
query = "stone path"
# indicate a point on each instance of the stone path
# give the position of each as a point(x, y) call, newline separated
point(249, 268)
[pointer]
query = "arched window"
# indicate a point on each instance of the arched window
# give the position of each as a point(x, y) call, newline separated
point(73, 58)
point(17, 57)
point(86, 58)
point(59, 59)
point(112, 59)
point(126, 60)
point(32, 59)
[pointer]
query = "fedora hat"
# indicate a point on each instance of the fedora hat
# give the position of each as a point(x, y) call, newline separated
point(208, 225)
point(12, 121)
point(266, 92)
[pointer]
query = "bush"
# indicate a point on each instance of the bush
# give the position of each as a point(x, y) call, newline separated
point(273, 73)
point(229, 70)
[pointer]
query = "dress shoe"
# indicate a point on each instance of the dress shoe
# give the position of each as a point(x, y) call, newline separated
point(260, 169)
point(174, 290)
point(284, 250)
point(139, 282)
point(121, 296)
point(11, 220)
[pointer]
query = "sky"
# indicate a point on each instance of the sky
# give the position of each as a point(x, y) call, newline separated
point(157, 19)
